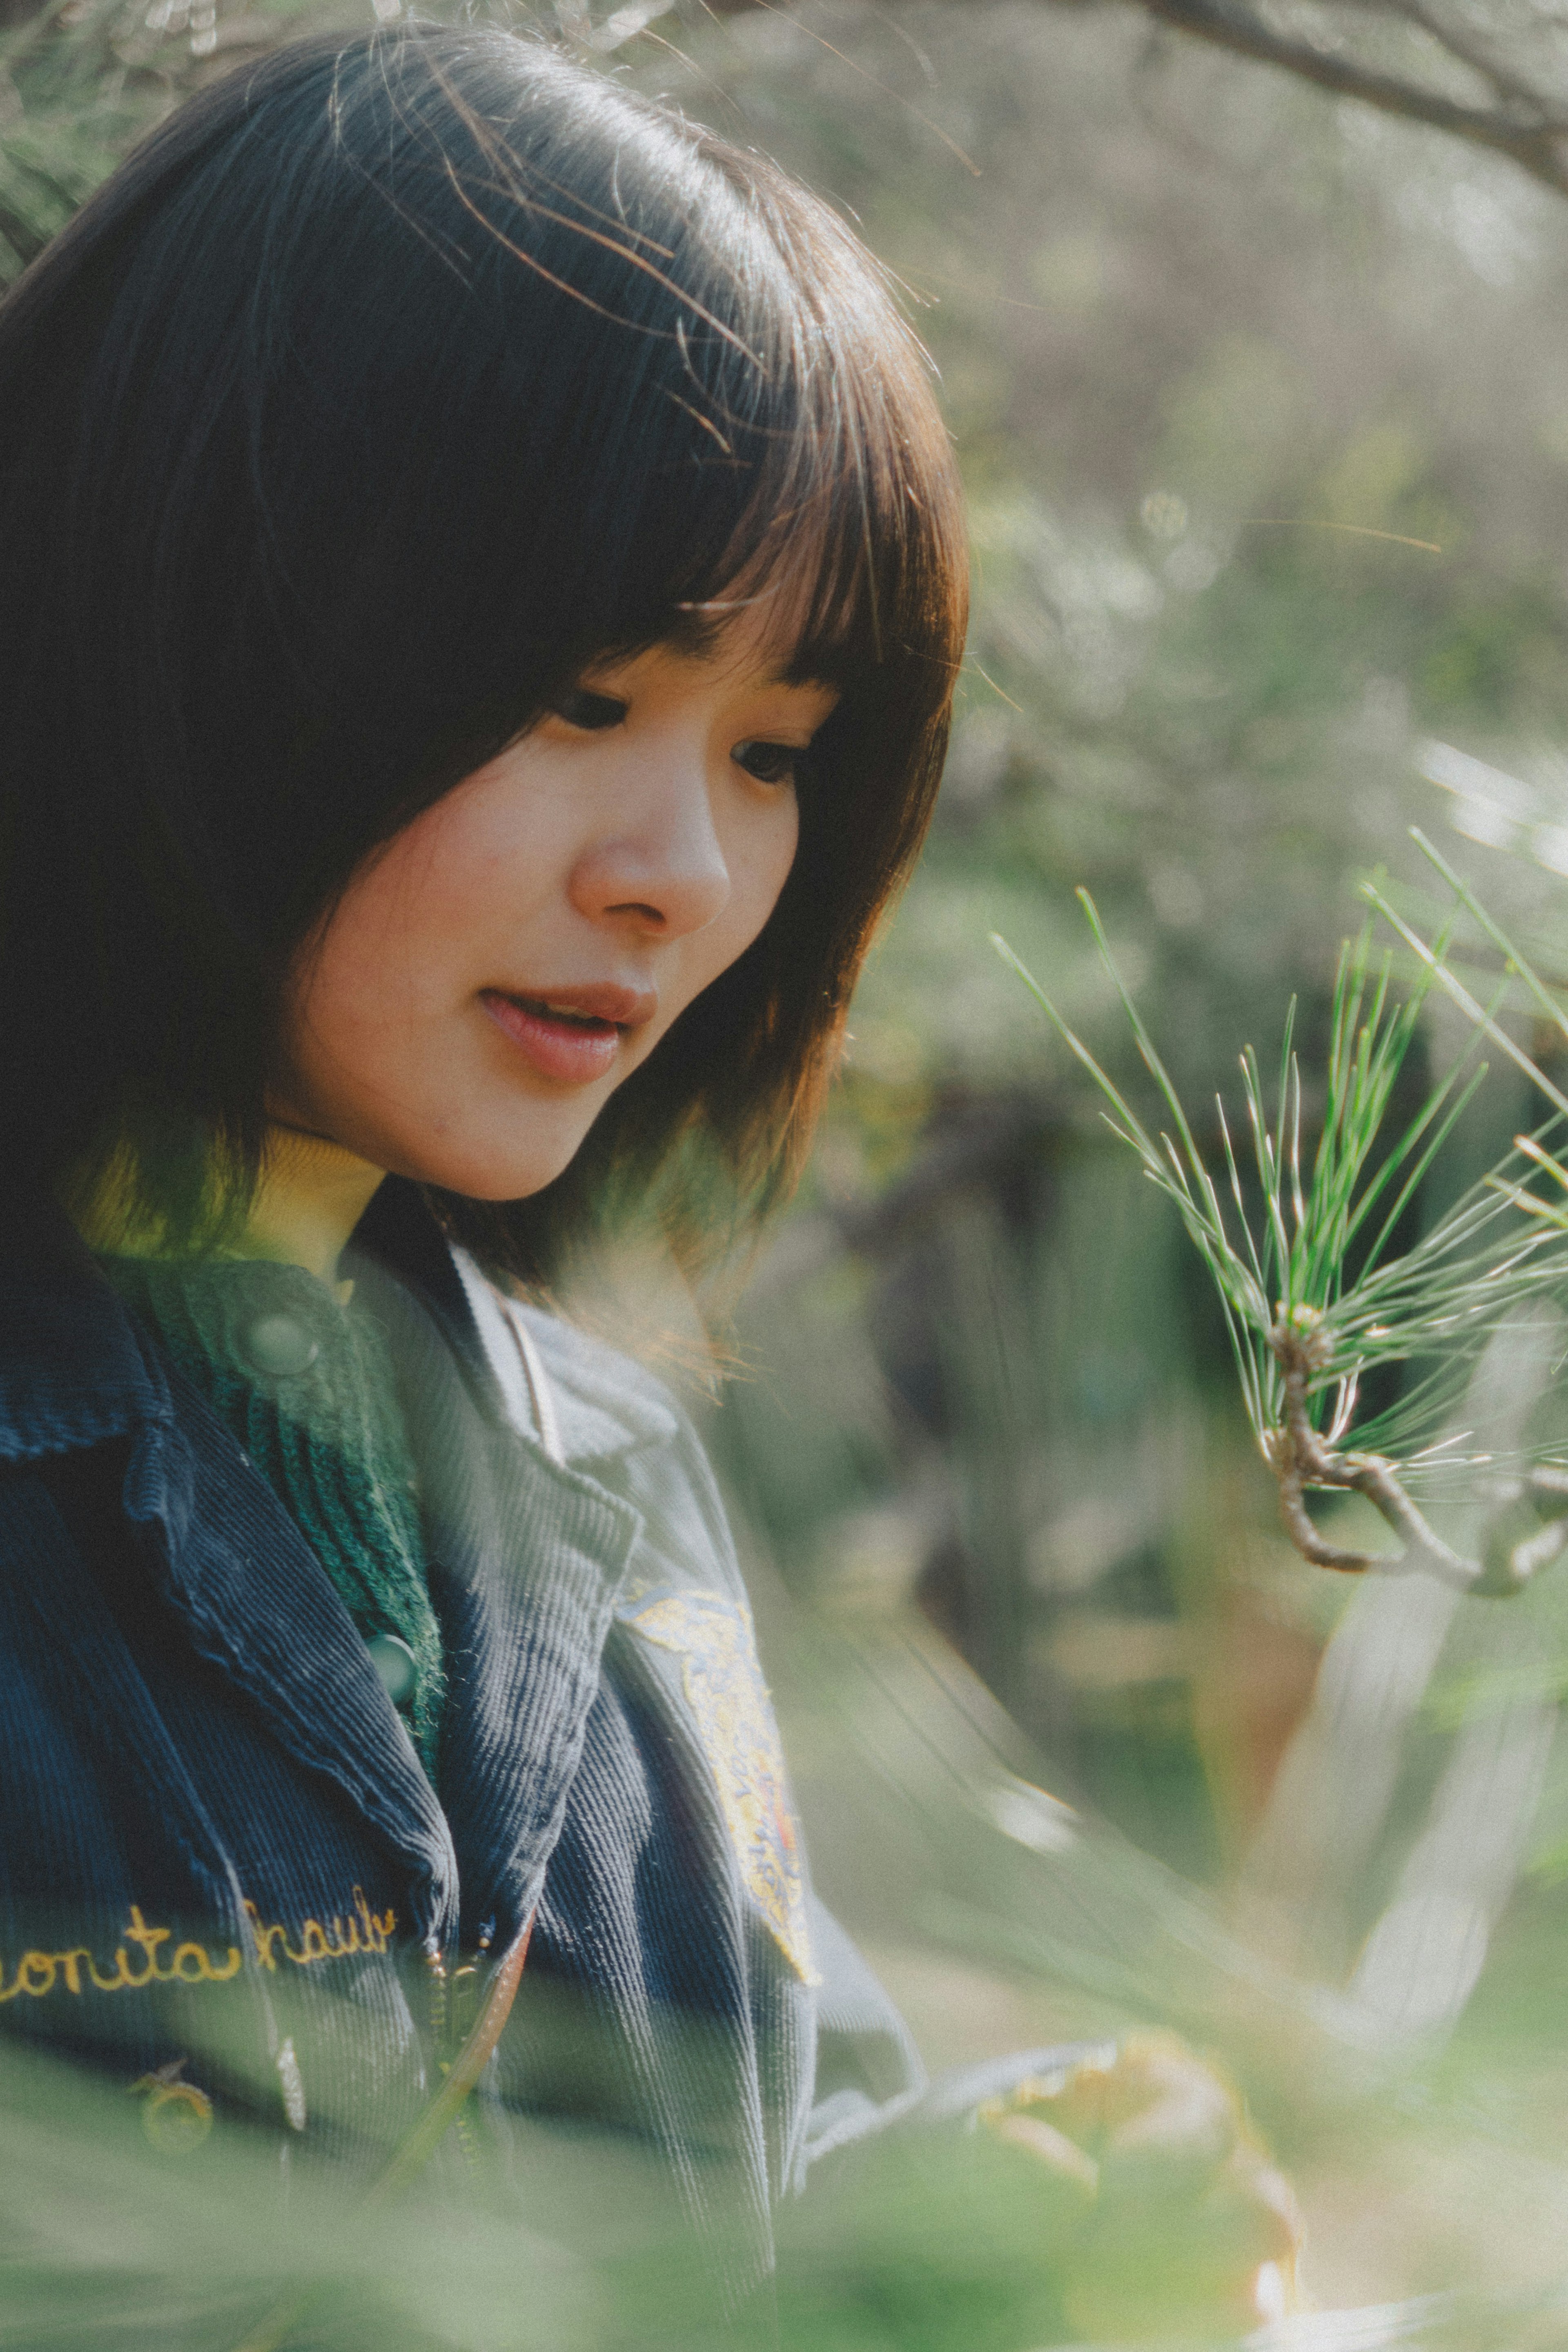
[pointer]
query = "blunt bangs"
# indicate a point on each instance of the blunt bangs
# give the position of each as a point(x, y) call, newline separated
point(387, 385)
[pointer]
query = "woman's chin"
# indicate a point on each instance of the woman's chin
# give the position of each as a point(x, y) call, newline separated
point(489, 1175)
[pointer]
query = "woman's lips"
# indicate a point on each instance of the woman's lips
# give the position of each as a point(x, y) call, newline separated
point(571, 1033)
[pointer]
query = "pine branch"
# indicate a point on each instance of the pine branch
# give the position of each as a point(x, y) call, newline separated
point(1307, 1321)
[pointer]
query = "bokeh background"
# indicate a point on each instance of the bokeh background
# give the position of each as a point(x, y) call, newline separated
point(1261, 396)
point(1192, 317)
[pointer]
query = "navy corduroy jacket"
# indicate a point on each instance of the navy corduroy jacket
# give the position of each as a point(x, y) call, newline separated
point(225, 1878)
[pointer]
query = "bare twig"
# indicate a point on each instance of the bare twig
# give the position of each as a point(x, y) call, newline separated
point(1302, 1459)
point(1528, 129)
point(1509, 86)
point(1526, 1536)
point(1528, 124)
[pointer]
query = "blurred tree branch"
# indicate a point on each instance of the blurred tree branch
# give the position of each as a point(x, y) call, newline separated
point(1394, 55)
point(1524, 118)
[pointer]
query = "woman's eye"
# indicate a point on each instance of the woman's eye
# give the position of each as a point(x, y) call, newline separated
point(592, 713)
point(773, 764)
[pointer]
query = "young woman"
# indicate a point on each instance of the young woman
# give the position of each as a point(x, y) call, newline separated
point(483, 582)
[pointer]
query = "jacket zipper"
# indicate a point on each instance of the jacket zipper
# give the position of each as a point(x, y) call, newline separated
point(455, 1997)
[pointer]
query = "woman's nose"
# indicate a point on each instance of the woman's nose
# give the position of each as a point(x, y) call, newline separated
point(661, 867)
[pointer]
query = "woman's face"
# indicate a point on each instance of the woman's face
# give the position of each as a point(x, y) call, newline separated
point(491, 976)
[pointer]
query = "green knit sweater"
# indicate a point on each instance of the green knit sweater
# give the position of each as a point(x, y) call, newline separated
point(307, 1387)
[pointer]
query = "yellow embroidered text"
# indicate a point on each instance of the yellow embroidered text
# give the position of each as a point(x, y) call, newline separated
point(366, 1931)
point(142, 1960)
point(38, 1973)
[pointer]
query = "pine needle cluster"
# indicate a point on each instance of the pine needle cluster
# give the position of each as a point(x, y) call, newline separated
point(1307, 1253)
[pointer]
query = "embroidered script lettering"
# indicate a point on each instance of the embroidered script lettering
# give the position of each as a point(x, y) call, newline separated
point(38, 1973)
point(142, 1959)
point(365, 1931)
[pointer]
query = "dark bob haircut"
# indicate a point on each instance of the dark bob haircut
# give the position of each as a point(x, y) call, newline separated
point(385, 385)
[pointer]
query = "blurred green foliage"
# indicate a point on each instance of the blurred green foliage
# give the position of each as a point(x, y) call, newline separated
point(1216, 352)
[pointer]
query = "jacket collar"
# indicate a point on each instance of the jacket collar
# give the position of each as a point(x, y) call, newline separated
point(398, 1233)
point(527, 1557)
point(73, 1370)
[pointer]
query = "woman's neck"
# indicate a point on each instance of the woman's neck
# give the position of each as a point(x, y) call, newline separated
point(308, 1198)
point(312, 1195)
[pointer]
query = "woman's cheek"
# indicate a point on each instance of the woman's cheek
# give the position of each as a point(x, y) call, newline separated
point(771, 868)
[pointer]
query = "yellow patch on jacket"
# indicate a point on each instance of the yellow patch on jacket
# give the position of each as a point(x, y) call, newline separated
point(726, 1695)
